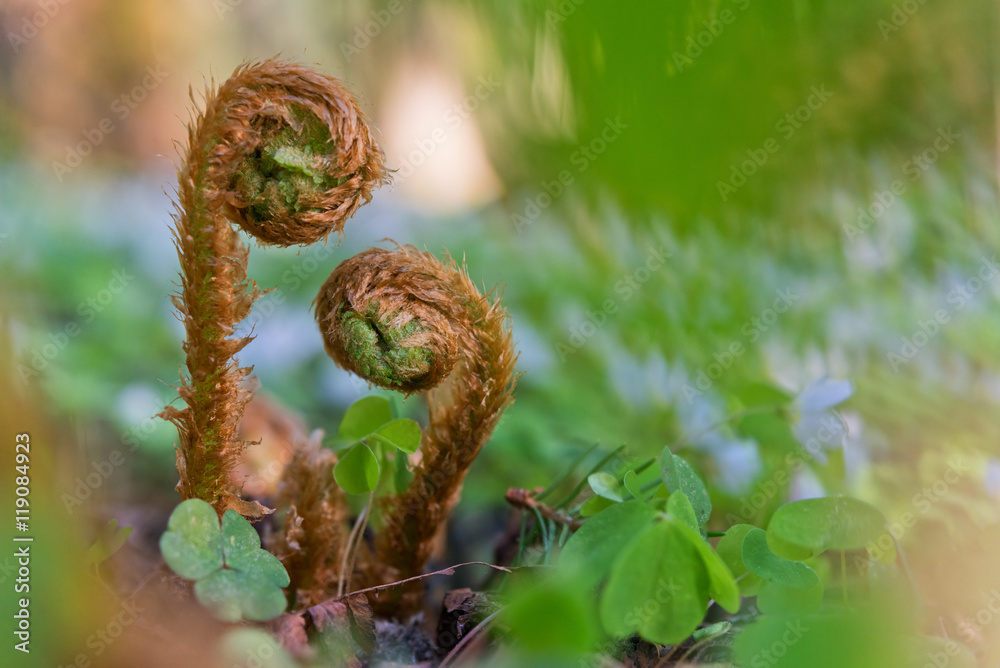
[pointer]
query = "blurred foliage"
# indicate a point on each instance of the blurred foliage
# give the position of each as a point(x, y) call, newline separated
point(700, 84)
point(628, 276)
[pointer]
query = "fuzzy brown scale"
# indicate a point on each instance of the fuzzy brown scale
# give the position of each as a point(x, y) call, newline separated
point(314, 534)
point(255, 105)
point(469, 378)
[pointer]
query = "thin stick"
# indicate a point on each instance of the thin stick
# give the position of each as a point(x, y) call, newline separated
point(523, 498)
point(444, 571)
point(455, 652)
point(666, 657)
point(350, 557)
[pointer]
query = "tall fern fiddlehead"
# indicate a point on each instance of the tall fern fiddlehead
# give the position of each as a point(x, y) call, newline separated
point(285, 154)
point(406, 321)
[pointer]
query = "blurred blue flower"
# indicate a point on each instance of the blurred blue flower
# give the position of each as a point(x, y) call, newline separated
point(739, 465)
point(701, 424)
point(805, 484)
point(738, 461)
point(814, 422)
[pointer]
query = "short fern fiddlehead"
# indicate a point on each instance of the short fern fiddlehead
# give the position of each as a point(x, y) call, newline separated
point(406, 321)
point(285, 154)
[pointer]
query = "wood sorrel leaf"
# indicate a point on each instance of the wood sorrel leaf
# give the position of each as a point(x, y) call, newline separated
point(679, 507)
point(234, 595)
point(242, 551)
point(679, 476)
point(591, 550)
point(759, 559)
point(605, 485)
point(364, 417)
point(658, 586)
point(403, 434)
point(357, 471)
point(192, 544)
point(830, 523)
point(631, 483)
point(721, 583)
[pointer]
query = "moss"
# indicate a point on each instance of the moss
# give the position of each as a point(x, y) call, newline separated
point(380, 349)
point(288, 166)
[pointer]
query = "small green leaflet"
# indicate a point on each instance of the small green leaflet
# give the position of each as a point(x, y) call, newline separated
point(403, 434)
point(830, 523)
point(357, 470)
point(192, 544)
point(658, 586)
point(678, 475)
point(605, 486)
point(592, 549)
point(759, 559)
point(364, 417)
point(679, 507)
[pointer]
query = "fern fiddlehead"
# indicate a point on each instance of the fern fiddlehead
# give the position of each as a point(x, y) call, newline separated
point(408, 322)
point(285, 154)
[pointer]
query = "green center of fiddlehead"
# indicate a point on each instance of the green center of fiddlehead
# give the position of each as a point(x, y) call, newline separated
point(291, 168)
point(386, 353)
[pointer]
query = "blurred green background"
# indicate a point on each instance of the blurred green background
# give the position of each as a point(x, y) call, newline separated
point(656, 186)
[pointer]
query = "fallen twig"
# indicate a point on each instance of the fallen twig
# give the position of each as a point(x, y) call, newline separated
point(444, 571)
point(523, 498)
